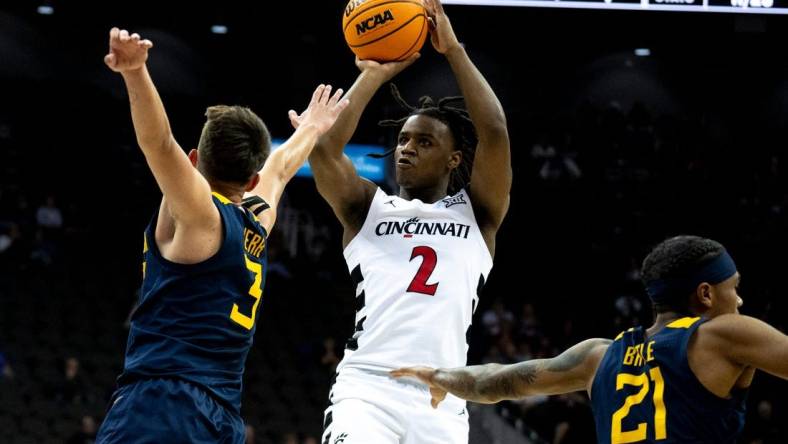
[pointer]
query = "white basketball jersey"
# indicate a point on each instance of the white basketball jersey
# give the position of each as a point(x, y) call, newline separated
point(418, 269)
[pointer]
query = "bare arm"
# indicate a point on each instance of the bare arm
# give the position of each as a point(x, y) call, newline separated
point(570, 371)
point(491, 177)
point(335, 176)
point(749, 342)
point(187, 193)
point(282, 164)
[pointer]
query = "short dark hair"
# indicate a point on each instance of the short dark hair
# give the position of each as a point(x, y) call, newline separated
point(234, 144)
point(460, 125)
point(677, 257)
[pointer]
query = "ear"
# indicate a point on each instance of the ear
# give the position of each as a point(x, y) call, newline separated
point(455, 159)
point(194, 156)
point(704, 295)
point(252, 182)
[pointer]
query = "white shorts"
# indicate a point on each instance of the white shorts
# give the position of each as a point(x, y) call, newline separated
point(370, 407)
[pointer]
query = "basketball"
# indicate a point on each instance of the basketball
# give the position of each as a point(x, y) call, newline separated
point(385, 30)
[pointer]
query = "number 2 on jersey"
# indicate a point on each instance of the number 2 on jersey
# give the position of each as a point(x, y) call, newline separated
point(429, 261)
point(619, 436)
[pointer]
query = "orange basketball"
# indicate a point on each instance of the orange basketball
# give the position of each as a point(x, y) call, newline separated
point(385, 30)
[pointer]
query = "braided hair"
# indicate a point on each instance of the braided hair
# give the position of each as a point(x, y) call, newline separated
point(457, 119)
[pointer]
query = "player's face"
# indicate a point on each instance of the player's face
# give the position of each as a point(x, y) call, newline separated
point(726, 297)
point(425, 152)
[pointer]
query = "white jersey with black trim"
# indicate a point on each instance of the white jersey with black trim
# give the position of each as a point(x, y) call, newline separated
point(418, 269)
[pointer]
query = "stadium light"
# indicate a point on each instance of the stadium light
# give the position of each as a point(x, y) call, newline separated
point(642, 52)
point(46, 10)
point(219, 29)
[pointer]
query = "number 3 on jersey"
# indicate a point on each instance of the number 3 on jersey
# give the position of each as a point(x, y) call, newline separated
point(429, 261)
point(255, 292)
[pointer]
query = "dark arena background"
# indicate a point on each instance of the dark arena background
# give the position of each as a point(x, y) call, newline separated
point(626, 126)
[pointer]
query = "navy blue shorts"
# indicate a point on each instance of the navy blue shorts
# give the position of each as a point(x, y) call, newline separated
point(171, 411)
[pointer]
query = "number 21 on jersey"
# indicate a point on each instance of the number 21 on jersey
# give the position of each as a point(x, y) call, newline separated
point(619, 436)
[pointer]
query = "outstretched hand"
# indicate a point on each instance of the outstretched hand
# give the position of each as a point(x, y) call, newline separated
point(425, 375)
point(126, 52)
point(322, 110)
point(441, 33)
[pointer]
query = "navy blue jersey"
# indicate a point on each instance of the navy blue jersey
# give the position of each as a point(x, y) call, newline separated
point(196, 322)
point(645, 392)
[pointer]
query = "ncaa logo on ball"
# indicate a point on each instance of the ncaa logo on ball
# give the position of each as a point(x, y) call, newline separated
point(374, 21)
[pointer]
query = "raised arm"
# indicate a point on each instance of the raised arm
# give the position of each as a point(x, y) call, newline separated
point(571, 371)
point(185, 190)
point(282, 164)
point(491, 178)
point(337, 180)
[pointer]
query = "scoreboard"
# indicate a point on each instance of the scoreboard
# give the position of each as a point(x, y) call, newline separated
point(735, 6)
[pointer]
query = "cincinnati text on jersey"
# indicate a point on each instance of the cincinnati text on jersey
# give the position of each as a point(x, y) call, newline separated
point(413, 226)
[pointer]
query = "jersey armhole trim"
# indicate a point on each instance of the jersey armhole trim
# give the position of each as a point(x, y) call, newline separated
point(693, 330)
point(476, 221)
point(371, 213)
point(153, 247)
point(596, 372)
point(251, 201)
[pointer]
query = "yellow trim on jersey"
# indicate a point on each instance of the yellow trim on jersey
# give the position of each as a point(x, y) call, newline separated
point(227, 201)
point(251, 213)
point(144, 250)
point(222, 199)
point(621, 335)
point(683, 323)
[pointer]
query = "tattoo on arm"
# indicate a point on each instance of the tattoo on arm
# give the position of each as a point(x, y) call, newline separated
point(527, 374)
point(574, 356)
point(494, 382)
point(510, 382)
point(489, 383)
